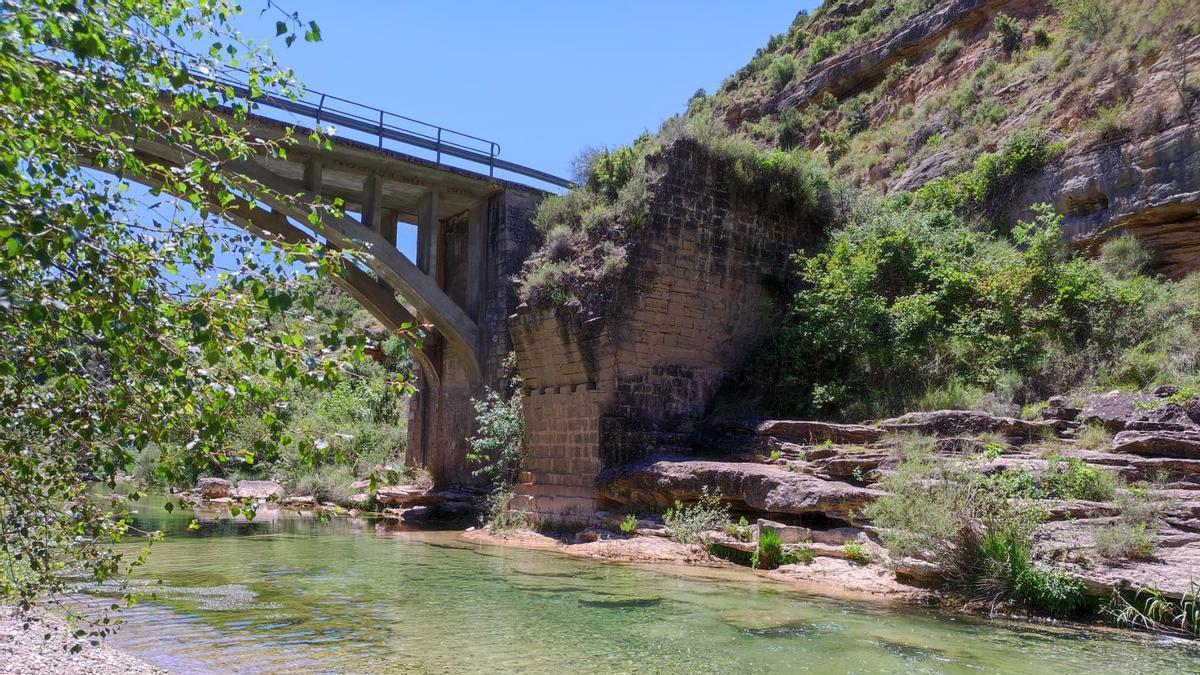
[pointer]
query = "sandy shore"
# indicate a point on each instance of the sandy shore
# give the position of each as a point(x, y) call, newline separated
point(27, 652)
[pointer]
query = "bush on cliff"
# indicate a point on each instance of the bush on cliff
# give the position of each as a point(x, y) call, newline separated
point(591, 230)
point(994, 176)
point(905, 302)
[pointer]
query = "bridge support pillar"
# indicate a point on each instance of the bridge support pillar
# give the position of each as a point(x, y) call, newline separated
point(429, 235)
point(481, 251)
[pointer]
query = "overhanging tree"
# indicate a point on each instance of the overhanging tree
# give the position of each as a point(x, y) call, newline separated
point(123, 322)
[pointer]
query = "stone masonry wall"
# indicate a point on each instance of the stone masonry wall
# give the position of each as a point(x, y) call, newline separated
point(698, 297)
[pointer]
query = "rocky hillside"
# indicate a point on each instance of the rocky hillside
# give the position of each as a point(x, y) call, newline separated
point(927, 96)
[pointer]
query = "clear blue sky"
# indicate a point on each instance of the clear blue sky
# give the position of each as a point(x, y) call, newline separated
point(544, 79)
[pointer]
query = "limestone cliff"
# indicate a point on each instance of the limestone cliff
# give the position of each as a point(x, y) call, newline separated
point(897, 94)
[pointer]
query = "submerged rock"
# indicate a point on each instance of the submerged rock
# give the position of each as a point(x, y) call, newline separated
point(757, 487)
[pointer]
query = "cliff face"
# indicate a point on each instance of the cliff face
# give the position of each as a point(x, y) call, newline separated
point(897, 94)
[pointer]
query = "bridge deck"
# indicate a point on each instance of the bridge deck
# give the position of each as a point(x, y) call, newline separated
point(406, 179)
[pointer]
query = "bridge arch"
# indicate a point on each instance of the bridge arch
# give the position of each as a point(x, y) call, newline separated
point(473, 234)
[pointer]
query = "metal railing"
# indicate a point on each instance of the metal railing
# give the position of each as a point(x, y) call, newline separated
point(330, 110)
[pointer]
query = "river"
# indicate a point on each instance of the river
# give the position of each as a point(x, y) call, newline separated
point(292, 594)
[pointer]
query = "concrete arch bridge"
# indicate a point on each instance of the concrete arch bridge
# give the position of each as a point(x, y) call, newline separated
point(474, 231)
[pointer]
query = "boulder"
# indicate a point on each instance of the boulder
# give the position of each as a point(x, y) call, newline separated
point(919, 572)
point(212, 488)
point(757, 487)
point(796, 534)
point(1177, 444)
point(406, 495)
point(819, 432)
point(1120, 411)
point(1111, 411)
point(258, 489)
point(300, 502)
point(846, 464)
point(967, 423)
point(1060, 408)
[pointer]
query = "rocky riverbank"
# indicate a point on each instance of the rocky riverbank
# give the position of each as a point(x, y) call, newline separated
point(26, 650)
point(1105, 489)
point(826, 576)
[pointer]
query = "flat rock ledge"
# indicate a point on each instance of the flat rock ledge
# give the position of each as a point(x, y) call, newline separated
point(25, 652)
point(760, 487)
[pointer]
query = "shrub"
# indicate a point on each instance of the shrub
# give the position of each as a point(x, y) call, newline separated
point(1053, 592)
point(820, 48)
point(791, 129)
point(740, 530)
point(901, 303)
point(1125, 257)
point(497, 446)
point(499, 517)
point(854, 115)
point(1041, 34)
point(1150, 609)
point(687, 523)
point(768, 554)
point(1106, 124)
point(980, 539)
point(781, 72)
point(836, 142)
point(609, 171)
point(948, 48)
point(629, 524)
point(1008, 30)
point(805, 554)
point(994, 176)
point(1123, 541)
point(1092, 437)
point(855, 553)
point(1075, 479)
point(1091, 19)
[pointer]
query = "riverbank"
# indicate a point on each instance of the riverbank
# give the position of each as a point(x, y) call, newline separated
point(825, 576)
point(27, 651)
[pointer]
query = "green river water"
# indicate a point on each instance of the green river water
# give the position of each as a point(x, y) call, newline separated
point(291, 594)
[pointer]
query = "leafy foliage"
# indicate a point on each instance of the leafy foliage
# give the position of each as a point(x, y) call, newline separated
point(687, 523)
point(123, 327)
point(903, 302)
point(1151, 609)
point(981, 539)
point(768, 552)
point(629, 524)
point(497, 447)
point(948, 48)
point(781, 72)
point(1008, 30)
point(994, 175)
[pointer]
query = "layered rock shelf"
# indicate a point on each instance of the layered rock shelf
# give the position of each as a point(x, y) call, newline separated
point(811, 480)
